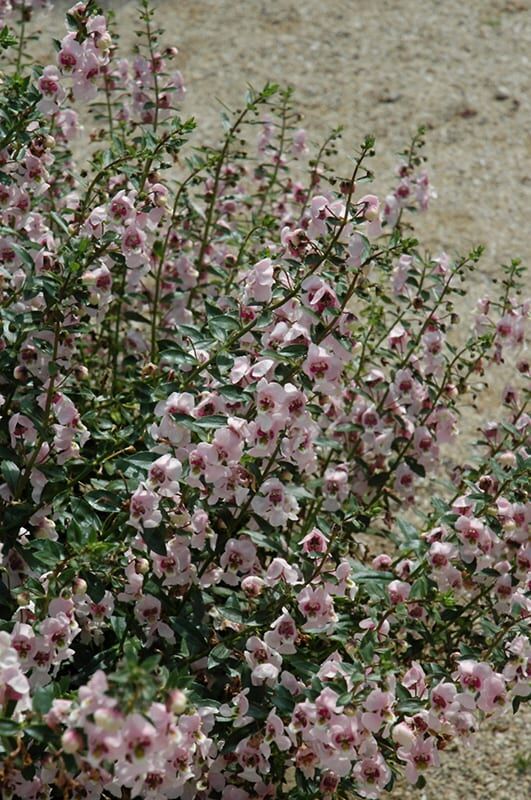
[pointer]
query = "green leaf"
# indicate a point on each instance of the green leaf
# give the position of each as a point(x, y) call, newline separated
point(103, 501)
point(212, 421)
point(283, 700)
point(119, 626)
point(42, 733)
point(155, 540)
point(420, 588)
point(24, 254)
point(366, 647)
point(222, 326)
point(11, 474)
point(218, 655)
point(8, 727)
point(7, 39)
point(43, 697)
point(417, 468)
point(44, 551)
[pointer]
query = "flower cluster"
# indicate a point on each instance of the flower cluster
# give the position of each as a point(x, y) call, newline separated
point(229, 399)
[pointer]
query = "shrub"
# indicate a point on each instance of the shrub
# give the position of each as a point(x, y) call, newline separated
point(239, 559)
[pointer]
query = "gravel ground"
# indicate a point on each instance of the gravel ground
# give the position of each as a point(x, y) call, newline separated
point(460, 67)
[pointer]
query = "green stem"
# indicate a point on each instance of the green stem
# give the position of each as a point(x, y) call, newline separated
point(116, 338)
point(46, 417)
point(158, 276)
point(20, 49)
point(150, 41)
point(323, 256)
point(280, 151)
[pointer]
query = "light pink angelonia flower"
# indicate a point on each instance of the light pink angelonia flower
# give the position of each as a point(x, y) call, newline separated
point(283, 635)
point(144, 509)
point(265, 663)
point(259, 282)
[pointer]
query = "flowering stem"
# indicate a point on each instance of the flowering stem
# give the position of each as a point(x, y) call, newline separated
point(367, 146)
point(116, 337)
point(315, 170)
point(46, 417)
point(279, 153)
point(149, 36)
point(20, 49)
point(158, 274)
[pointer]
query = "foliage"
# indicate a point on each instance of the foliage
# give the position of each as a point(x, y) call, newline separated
point(233, 563)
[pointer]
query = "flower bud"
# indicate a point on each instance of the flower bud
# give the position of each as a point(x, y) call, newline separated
point(252, 585)
point(81, 372)
point(71, 740)
point(79, 587)
point(142, 566)
point(178, 701)
point(46, 529)
point(21, 373)
point(451, 390)
point(104, 42)
point(507, 459)
point(23, 599)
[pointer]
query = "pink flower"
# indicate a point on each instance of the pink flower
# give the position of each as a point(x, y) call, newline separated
point(319, 295)
point(21, 430)
point(264, 662)
point(121, 209)
point(472, 674)
point(53, 93)
point(314, 542)
point(283, 635)
point(275, 504)
point(238, 709)
point(493, 694)
point(259, 282)
point(175, 568)
point(274, 732)
point(318, 608)
point(164, 475)
point(404, 735)
point(372, 775)
point(328, 784)
point(322, 209)
point(369, 207)
point(253, 586)
point(443, 697)
point(143, 509)
point(422, 755)
point(415, 680)
point(14, 685)
point(404, 480)
point(147, 612)
point(398, 591)
point(336, 484)
point(299, 146)
point(398, 338)
point(133, 244)
point(358, 250)
point(70, 55)
point(238, 557)
point(319, 211)
point(280, 570)
point(139, 737)
point(379, 707)
point(322, 367)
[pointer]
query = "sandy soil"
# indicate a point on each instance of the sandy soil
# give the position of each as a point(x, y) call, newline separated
point(460, 67)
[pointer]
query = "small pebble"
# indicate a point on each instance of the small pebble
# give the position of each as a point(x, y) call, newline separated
point(502, 93)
